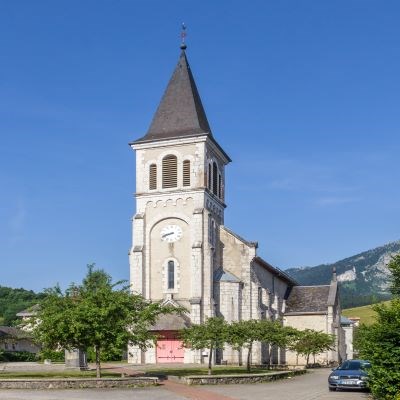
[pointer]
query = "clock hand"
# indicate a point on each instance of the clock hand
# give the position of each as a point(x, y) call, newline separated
point(167, 234)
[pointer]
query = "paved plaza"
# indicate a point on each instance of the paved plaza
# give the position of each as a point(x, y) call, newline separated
point(312, 386)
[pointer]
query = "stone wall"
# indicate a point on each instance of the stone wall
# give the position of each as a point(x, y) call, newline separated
point(240, 378)
point(76, 383)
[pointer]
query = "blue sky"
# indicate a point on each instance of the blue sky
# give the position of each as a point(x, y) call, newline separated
point(303, 95)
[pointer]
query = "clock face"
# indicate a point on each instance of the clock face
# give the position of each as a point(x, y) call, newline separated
point(171, 233)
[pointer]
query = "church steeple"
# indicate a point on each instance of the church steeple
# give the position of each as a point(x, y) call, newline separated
point(180, 113)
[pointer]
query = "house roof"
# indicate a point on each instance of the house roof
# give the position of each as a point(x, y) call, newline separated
point(224, 276)
point(170, 322)
point(180, 113)
point(276, 271)
point(10, 331)
point(345, 321)
point(241, 239)
point(29, 312)
point(308, 299)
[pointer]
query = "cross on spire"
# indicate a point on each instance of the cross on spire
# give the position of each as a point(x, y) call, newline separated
point(183, 36)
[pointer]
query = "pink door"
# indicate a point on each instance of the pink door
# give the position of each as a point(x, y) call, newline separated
point(169, 349)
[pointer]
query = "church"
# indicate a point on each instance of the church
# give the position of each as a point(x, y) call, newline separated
point(183, 253)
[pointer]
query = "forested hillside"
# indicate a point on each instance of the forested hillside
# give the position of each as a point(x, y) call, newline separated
point(363, 278)
point(13, 301)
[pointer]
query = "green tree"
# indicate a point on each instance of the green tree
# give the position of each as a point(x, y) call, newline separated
point(312, 342)
point(97, 314)
point(380, 342)
point(13, 301)
point(242, 334)
point(394, 268)
point(211, 335)
point(276, 335)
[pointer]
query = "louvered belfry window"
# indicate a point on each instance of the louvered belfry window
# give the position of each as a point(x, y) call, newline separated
point(153, 177)
point(169, 172)
point(186, 173)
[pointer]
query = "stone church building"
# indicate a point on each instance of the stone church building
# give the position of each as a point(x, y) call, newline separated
point(183, 253)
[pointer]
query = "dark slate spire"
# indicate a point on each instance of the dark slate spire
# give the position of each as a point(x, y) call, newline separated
point(180, 113)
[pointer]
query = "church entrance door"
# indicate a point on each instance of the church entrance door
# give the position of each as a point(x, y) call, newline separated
point(169, 348)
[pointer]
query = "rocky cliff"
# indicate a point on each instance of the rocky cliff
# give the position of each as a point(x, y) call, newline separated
point(363, 278)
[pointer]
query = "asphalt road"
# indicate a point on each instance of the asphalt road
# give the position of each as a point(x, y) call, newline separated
point(312, 386)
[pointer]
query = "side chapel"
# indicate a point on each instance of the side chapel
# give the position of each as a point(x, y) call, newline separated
point(182, 252)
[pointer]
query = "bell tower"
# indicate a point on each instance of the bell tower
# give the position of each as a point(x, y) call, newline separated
point(180, 201)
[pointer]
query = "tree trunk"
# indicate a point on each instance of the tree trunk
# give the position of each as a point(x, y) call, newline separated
point(269, 355)
point(308, 357)
point(249, 356)
point(98, 370)
point(210, 360)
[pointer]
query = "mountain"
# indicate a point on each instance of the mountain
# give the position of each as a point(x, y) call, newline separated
point(363, 278)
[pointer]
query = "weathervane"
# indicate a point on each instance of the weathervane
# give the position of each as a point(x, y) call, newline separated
point(183, 36)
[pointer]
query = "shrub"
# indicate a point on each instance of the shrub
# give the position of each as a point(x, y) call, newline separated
point(57, 356)
point(17, 356)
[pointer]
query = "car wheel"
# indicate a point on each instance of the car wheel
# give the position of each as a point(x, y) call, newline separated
point(332, 389)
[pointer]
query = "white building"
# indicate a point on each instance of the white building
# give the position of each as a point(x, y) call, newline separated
point(182, 252)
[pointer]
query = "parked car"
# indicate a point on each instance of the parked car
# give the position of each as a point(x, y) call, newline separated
point(351, 374)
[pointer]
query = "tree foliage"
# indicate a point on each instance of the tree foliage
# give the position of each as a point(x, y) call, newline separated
point(276, 335)
point(215, 333)
point(380, 342)
point(242, 334)
point(12, 301)
point(97, 314)
point(212, 334)
point(394, 268)
point(311, 342)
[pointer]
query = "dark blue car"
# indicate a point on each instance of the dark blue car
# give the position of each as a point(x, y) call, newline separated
point(351, 374)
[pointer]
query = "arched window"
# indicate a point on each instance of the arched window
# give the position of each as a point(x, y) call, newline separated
point(153, 177)
point(186, 173)
point(209, 176)
point(219, 186)
point(169, 172)
point(171, 275)
point(215, 179)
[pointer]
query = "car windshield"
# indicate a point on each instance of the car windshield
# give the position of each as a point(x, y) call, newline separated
point(354, 365)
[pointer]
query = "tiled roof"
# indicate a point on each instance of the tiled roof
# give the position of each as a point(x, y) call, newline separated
point(170, 322)
point(246, 242)
point(29, 312)
point(276, 271)
point(11, 331)
point(345, 321)
point(224, 276)
point(308, 299)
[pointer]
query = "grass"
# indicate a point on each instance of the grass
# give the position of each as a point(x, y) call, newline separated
point(204, 371)
point(151, 371)
point(55, 374)
point(365, 313)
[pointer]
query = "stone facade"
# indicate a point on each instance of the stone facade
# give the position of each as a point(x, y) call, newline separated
point(182, 252)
